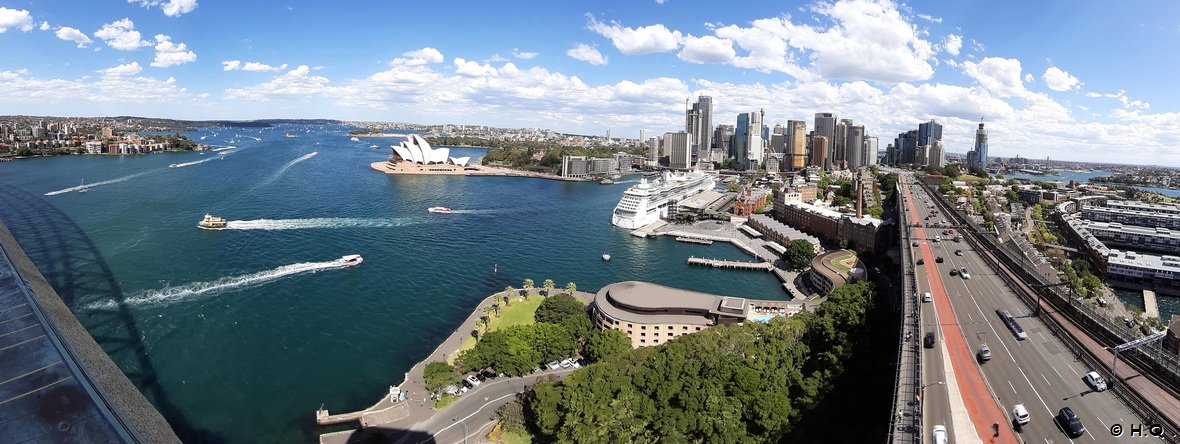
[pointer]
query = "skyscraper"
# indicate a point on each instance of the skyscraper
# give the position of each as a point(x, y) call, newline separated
point(698, 121)
point(819, 152)
point(937, 155)
point(678, 145)
point(839, 144)
point(981, 145)
point(907, 147)
point(749, 146)
point(722, 137)
point(928, 132)
point(796, 144)
point(825, 126)
point(854, 142)
point(871, 153)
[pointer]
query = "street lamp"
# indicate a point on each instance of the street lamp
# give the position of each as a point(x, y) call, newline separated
point(464, 429)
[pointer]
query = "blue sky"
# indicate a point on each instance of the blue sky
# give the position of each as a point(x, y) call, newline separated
point(1068, 80)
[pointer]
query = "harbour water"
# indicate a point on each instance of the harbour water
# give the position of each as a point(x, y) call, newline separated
point(238, 335)
point(1083, 177)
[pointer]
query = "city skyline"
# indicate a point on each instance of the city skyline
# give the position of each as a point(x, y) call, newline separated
point(614, 67)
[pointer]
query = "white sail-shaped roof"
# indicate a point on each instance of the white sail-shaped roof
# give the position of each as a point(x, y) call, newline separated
point(417, 150)
point(403, 152)
point(461, 161)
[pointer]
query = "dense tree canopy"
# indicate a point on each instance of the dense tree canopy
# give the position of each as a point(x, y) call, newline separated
point(729, 383)
point(566, 311)
point(605, 344)
point(799, 254)
point(437, 375)
point(519, 349)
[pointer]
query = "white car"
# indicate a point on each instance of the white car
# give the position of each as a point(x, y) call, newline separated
point(473, 380)
point(566, 363)
point(554, 365)
point(963, 272)
point(1021, 414)
point(938, 434)
point(1095, 381)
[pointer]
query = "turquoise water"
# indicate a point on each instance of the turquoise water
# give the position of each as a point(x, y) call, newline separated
point(239, 335)
point(1066, 176)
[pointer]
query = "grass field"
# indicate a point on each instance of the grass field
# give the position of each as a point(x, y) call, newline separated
point(838, 262)
point(519, 313)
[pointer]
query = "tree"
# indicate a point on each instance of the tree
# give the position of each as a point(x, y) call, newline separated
point(557, 308)
point(571, 287)
point(475, 334)
point(508, 294)
point(799, 254)
point(840, 201)
point(486, 321)
point(604, 344)
point(548, 285)
point(951, 171)
point(511, 415)
point(437, 375)
point(526, 286)
point(494, 308)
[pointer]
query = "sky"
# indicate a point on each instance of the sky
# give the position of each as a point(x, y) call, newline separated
point(1088, 81)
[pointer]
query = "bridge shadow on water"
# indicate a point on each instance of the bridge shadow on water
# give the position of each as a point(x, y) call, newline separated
point(75, 268)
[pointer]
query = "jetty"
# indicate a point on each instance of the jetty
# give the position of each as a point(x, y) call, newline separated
point(693, 240)
point(1151, 308)
point(739, 265)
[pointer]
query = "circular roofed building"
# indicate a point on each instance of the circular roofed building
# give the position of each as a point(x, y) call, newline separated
point(652, 314)
point(835, 269)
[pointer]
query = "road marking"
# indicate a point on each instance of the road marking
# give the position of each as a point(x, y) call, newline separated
point(1058, 373)
point(476, 412)
point(1046, 379)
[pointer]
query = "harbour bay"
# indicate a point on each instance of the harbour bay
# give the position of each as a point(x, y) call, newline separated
point(240, 336)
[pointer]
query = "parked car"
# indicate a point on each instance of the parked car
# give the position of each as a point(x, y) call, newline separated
point(1020, 414)
point(928, 341)
point(576, 364)
point(1070, 423)
point(985, 353)
point(1095, 381)
point(554, 365)
point(472, 380)
point(565, 363)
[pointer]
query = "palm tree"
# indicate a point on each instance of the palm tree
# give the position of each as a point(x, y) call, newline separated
point(571, 288)
point(528, 285)
point(492, 308)
point(475, 334)
point(508, 294)
point(486, 321)
point(548, 284)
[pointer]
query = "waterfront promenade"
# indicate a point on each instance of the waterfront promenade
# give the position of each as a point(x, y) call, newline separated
point(416, 408)
point(477, 170)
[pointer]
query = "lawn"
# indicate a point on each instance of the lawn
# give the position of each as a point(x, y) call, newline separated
point(516, 437)
point(968, 178)
point(445, 401)
point(838, 262)
point(519, 313)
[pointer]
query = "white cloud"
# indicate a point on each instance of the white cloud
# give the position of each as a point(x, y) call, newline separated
point(953, 44)
point(1000, 76)
point(707, 49)
point(930, 18)
point(296, 83)
point(128, 69)
point(473, 68)
point(660, 2)
point(524, 55)
point(586, 53)
point(236, 65)
point(73, 35)
point(1059, 80)
point(130, 93)
point(1028, 78)
point(424, 56)
point(44, 26)
point(121, 35)
point(170, 54)
point(171, 8)
point(15, 18)
point(1121, 96)
point(637, 41)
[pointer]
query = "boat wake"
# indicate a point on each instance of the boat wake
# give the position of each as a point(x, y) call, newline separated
point(224, 148)
point(323, 222)
point(285, 167)
point(96, 184)
point(182, 165)
point(197, 289)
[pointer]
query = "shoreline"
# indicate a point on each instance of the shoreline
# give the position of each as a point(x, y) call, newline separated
point(476, 170)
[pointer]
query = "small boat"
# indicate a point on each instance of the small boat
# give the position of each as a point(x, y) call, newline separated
point(82, 187)
point(211, 222)
point(605, 256)
point(374, 147)
point(354, 139)
point(615, 177)
point(290, 136)
point(440, 210)
point(175, 165)
point(350, 260)
point(607, 182)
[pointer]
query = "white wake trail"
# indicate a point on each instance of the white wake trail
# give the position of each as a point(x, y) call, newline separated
point(96, 184)
point(323, 222)
point(224, 148)
point(284, 168)
point(182, 165)
point(188, 291)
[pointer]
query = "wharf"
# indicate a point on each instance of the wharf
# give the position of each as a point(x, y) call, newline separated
point(649, 229)
point(1151, 308)
point(717, 263)
point(693, 240)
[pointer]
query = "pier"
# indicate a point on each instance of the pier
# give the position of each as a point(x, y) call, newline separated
point(1151, 309)
point(739, 265)
point(693, 240)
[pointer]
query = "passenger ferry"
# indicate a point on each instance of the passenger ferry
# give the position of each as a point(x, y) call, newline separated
point(651, 200)
point(211, 222)
point(351, 260)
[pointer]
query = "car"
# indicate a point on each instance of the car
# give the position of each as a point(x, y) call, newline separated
point(985, 353)
point(1070, 423)
point(954, 272)
point(920, 261)
point(1020, 414)
point(467, 384)
point(927, 297)
point(565, 363)
point(958, 252)
point(952, 231)
point(938, 434)
point(554, 365)
point(963, 273)
point(944, 232)
point(928, 341)
point(938, 259)
point(1095, 381)
point(488, 373)
point(471, 379)
point(915, 243)
point(576, 364)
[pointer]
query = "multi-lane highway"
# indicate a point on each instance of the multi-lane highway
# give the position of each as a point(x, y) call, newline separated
point(968, 395)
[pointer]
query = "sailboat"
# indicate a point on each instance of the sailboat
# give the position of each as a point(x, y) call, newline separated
point(82, 186)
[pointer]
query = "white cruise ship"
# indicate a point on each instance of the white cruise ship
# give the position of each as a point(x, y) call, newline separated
point(649, 201)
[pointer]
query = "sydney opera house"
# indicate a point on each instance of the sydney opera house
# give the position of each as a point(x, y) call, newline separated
point(414, 155)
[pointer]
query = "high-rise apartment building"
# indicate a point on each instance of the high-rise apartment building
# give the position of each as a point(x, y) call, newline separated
point(653, 149)
point(825, 126)
point(698, 121)
point(937, 155)
point(981, 145)
point(679, 146)
point(796, 145)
